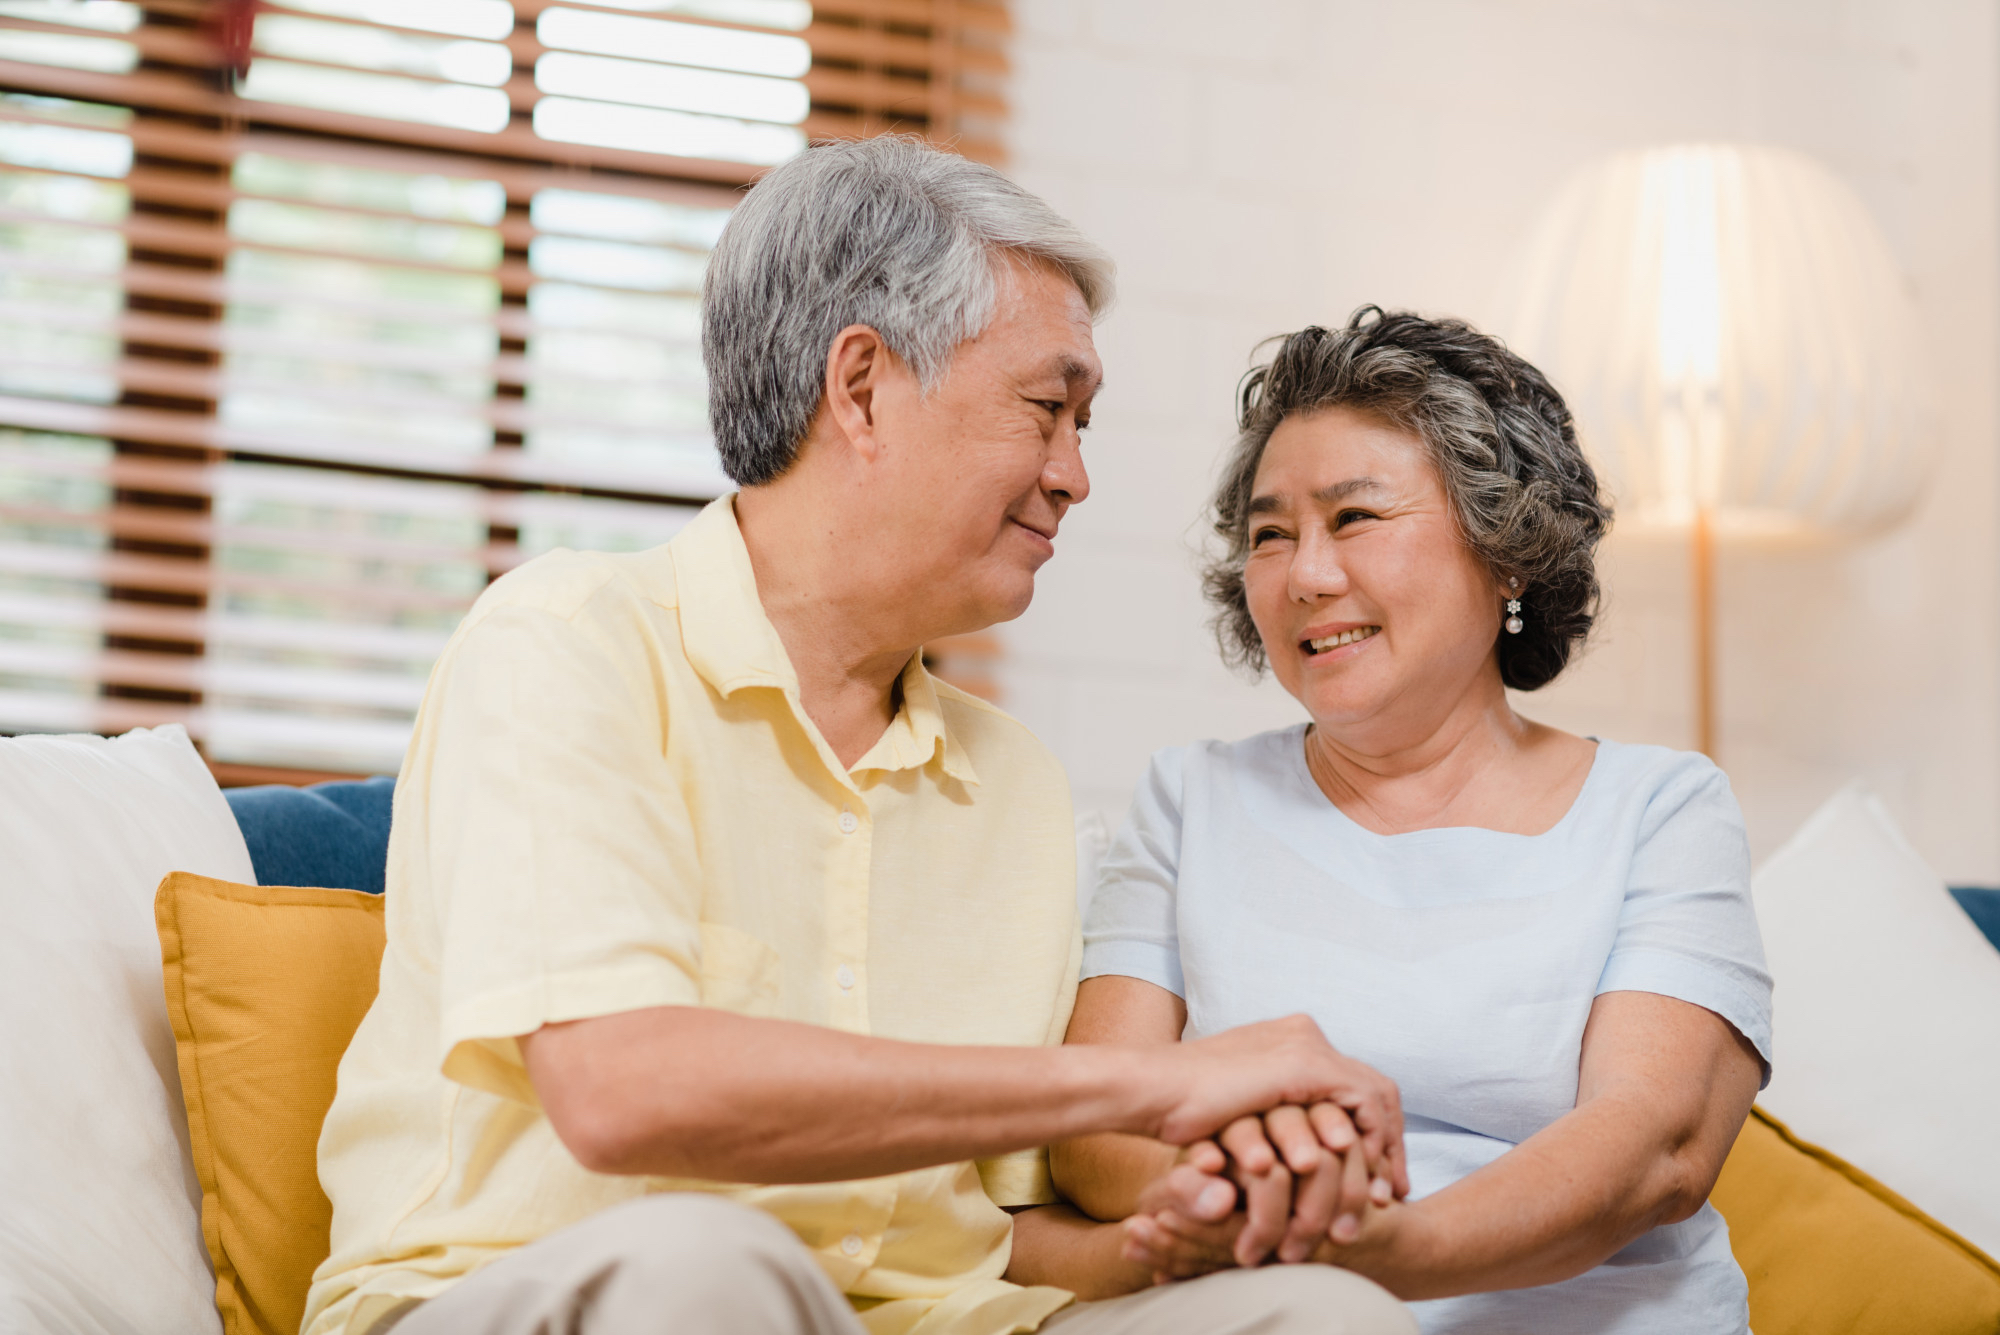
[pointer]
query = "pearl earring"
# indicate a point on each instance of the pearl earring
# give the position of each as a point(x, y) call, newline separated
point(1514, 622)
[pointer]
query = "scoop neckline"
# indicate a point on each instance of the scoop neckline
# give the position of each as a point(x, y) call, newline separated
point(1302, 772)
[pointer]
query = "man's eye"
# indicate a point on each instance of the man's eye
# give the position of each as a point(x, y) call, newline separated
point(1346, 517)
point(1055, 406)
point(1258, 538)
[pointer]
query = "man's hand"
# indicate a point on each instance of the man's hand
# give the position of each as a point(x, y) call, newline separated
point(1228, 1079)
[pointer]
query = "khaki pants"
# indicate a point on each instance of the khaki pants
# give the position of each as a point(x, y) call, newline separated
point(698, 1265)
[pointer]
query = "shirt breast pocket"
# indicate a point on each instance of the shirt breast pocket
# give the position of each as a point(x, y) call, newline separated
point(739, 973)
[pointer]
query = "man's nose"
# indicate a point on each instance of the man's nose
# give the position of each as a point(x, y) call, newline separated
point(1064, 477)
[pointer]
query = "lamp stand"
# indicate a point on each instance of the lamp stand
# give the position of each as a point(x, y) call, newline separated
point(1702, 551)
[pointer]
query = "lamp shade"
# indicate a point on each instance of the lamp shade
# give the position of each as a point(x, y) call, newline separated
point(1734, 337)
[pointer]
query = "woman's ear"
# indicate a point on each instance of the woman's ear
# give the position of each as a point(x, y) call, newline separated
point(856, 362)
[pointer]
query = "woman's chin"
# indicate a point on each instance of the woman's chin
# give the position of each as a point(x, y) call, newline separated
point(1340, 706)
point(1334, 696)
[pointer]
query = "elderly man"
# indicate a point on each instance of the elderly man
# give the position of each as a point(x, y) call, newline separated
point(727, 948)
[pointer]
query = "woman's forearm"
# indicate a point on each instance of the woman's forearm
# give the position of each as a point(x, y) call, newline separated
point(1104, 1174)
point(1550, 1209)
point(1664, 1089)
point(1056, 1245)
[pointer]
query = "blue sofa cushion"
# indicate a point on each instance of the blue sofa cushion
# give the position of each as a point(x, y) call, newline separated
point(1982, 905)
point(337, 835)
point(334, 835)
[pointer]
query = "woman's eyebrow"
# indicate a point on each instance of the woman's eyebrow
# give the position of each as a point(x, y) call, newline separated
point(1340, 491)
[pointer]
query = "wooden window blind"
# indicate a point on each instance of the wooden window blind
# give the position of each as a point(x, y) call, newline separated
point(316, 316)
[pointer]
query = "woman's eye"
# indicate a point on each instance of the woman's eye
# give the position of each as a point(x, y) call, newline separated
point(1346, 517)
point(1258, 538)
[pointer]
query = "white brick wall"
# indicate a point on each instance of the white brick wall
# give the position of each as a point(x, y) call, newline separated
point(1259, 166)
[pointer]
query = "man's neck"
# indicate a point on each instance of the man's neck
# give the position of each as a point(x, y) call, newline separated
point(845, 650)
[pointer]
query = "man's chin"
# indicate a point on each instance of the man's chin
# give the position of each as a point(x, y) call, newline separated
point(1003, 600)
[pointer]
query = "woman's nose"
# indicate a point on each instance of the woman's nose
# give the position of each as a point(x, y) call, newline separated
point(1317, 571)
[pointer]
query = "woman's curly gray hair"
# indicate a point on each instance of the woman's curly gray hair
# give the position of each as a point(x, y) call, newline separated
point(1526, 500)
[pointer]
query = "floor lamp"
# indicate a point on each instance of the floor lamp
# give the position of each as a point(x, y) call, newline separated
point(1739, 348)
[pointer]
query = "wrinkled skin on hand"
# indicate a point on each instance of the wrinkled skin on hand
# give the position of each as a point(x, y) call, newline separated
point(1289, 1186)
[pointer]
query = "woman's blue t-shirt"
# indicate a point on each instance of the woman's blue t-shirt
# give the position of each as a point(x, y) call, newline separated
point(1461, 962)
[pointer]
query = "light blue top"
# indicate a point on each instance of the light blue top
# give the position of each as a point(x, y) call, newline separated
point(1461, 962)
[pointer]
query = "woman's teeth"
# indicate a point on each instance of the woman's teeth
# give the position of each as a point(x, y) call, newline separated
point(1345, 637)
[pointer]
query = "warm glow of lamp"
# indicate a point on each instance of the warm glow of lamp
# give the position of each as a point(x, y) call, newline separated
point(1738, 345)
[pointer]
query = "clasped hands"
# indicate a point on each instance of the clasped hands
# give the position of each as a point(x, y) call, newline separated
point(1291, 1185)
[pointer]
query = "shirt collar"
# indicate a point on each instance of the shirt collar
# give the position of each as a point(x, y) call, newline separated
point(917, 735)
point(724, 631)
point(731, 642)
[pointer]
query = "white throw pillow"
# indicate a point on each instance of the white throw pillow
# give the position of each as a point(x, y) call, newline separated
point(1888, 1014)
point(100, 1215)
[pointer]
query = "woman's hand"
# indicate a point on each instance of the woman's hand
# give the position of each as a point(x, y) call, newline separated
point(1104, 1175)
point(1171, 1244)
point(1301, 1175)
point(1173, 1247)
point(1186, 1223)
point(1306, 1175)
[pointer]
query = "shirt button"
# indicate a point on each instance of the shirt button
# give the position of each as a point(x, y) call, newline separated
point(848, 823)
point(845, 977)
point(851, 1244)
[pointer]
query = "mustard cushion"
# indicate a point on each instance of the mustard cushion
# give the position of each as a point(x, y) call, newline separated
point(265, 987)
point(1829, 1250)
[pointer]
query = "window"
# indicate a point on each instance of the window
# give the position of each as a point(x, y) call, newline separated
point(316, 316)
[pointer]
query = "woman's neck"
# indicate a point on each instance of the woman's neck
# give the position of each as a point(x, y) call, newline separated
point(1479, 764)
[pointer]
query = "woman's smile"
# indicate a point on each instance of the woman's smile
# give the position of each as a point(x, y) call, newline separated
point(1336, 642)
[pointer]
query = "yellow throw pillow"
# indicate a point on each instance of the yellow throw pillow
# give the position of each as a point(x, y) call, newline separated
point(1830, 1251)
point(265, 986)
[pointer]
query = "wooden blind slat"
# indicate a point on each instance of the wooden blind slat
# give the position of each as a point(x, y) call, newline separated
point(187, 487)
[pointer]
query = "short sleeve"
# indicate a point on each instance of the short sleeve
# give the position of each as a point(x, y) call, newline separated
point(562, 854)
point(1687, 929)
point(1130, 927)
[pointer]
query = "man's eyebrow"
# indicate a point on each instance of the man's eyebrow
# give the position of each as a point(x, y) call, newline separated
point(1072, 370)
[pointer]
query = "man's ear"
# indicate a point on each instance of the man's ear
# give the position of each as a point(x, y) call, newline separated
point(856, 363)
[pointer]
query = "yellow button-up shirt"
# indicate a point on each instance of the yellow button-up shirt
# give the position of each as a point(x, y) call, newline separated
point(613, 800)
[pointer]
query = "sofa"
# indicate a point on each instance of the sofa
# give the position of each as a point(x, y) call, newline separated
point(266, 933)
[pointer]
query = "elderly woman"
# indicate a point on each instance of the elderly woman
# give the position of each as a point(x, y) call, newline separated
point(1546, 940)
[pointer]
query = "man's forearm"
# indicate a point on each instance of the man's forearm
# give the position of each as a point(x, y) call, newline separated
point(693, 1092)
point(683, 1091)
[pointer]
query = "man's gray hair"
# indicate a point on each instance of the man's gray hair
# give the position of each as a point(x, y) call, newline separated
point(889, 233)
